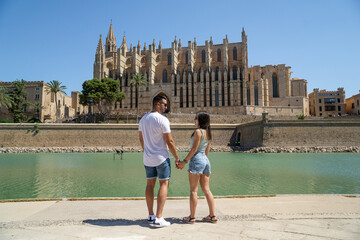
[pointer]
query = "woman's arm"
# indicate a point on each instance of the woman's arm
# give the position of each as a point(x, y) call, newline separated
point(196, 142)
point(207, 150)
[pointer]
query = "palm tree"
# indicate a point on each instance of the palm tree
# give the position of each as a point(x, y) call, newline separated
point(5, 100)
point(138, 80)
point(54, 87)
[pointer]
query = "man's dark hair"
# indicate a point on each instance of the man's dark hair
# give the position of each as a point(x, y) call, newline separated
point(157, 99)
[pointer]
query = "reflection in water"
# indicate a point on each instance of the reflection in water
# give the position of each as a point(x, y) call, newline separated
point(100, 175)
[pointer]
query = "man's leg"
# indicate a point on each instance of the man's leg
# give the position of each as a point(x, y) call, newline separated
point(161, 198)
point(149, 195)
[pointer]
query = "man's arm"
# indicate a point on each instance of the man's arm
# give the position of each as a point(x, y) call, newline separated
point(141, 140)
point(171, 144)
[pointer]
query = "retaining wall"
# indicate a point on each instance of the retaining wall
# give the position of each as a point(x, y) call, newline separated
point(97, 135)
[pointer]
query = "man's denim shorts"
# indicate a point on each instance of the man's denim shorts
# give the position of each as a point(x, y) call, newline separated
point(163, 171)
point(199, 163)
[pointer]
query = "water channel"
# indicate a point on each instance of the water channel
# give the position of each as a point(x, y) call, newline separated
point(55, 175)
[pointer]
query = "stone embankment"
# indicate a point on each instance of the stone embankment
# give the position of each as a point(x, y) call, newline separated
point(355, 149)
point(303, 149)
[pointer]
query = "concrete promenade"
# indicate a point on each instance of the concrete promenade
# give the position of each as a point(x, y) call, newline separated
point(276, 217)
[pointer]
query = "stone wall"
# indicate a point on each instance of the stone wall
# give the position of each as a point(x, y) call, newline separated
point(298, 133)
point(97, 135)
point(274, 133)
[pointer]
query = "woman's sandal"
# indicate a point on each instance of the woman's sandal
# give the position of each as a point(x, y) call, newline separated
point(188, 220)
point(211, 219)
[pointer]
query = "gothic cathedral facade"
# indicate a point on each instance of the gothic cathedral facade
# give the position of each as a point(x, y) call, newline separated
point(213, 77)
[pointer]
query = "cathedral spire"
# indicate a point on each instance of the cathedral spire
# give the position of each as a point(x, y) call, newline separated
point(124, 40)
point(100, 46)
point(110, 40)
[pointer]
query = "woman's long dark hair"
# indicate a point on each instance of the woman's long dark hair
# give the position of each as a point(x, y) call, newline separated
point(204, 123)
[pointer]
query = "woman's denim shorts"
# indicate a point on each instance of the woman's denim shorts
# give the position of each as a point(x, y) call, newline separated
point(199, 163)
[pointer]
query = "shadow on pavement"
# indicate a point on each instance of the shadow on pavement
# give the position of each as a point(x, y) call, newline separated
point(125, 222)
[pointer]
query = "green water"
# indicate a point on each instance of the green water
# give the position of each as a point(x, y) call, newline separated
point(100, 175)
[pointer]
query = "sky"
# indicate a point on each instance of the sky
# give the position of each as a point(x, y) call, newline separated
point(44, 40)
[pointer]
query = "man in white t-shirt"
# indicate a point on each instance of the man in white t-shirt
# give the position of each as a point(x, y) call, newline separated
point(155, 138)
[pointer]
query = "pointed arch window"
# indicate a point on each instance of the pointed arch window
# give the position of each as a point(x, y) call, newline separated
point(275, 85)
point(217, 74)
point(235, 73)
point(216, 96)
point(187, 57)
point(199, 76)
point(164, 78)
point(169, 59)
point(181, 97)
point(256, 95)
point(203, 56)
point(219, 55)
point(248, 96)
point(234, 54)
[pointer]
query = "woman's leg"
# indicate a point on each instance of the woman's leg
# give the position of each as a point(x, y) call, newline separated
point(194, 182)
point(204, 183)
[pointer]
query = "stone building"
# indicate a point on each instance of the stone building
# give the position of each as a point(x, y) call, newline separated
point(68, 107)
point(353, 105)
point(211, 77)
point(327, 103)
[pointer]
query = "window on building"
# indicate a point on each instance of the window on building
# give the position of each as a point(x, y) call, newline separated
point(169, 59)
point(217, 74)
point(187, 57)
point(198, 79)
point(320, 109)
point(352, 105)
point(330, 108)
point(164, 78)
point(235, 73)
point(216, 97)
point(256, 93)
point(275, 85)
point(338, 100)
point(357, 102)
point(329, 100)
point(339, 108)
point(320, 114)
point(219, 55)
point(248, 96)
point(319, 100)
point(203, 56)
point(37, 96)
point(234, 54)
point(37, 89)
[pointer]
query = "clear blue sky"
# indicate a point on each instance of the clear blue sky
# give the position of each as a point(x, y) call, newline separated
point(56, 40)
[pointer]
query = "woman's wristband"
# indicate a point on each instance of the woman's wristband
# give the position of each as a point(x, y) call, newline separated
point(186, 161)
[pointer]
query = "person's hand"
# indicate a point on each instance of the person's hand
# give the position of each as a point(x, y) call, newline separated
point(181, 165)
point(177, 161)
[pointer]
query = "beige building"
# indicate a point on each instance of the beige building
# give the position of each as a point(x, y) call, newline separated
point(327, 103)
point(353, 105)
point(68, 107)
point(211, 77)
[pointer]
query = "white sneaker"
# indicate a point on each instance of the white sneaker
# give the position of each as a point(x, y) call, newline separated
point(160, 222)
point(151, 219)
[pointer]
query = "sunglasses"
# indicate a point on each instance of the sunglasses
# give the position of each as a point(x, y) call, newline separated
point(164, 104)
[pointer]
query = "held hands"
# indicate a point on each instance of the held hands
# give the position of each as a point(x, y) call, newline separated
point(180, 164)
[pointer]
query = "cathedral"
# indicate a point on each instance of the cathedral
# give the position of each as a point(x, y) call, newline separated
point(213, 77)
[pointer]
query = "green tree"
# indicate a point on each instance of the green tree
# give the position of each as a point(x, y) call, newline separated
point(138, 80)
point(102, 94)
point(55, 87)
point(5, 99)
point(18, 101)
